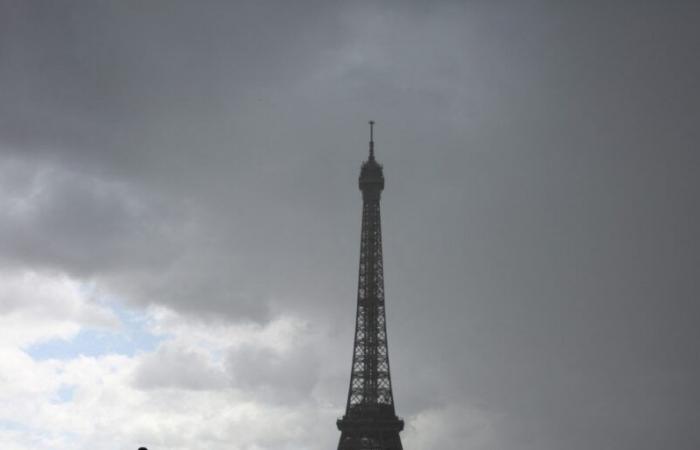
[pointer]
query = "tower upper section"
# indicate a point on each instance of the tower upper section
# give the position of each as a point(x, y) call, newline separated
point(371, 174)
point(370, 421)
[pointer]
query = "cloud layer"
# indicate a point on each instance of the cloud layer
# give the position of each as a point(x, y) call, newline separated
point(179, 221)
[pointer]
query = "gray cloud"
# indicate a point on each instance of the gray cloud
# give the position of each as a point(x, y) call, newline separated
point(81, 223)
point(277, 376)
point(539, 216)
point(176, 367)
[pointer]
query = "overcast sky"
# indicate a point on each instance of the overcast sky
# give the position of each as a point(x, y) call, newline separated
point(180, 221)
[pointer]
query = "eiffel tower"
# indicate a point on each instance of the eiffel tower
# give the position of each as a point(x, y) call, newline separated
point(370, 421)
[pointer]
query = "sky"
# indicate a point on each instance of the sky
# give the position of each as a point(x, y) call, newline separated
point(180, 221)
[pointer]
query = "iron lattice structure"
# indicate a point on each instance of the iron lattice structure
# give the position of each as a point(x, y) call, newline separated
point(370, 421)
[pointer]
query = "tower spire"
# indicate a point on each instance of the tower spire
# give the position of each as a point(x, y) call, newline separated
point(371, 139)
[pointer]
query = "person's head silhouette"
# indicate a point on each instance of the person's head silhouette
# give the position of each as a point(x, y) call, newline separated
point(143, 448)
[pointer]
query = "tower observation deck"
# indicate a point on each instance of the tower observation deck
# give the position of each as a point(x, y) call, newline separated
point(370, 421)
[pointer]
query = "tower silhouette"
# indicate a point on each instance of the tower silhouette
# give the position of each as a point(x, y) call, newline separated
point(370, 421)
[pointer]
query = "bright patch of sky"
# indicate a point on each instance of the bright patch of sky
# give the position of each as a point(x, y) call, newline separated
point(9, 425)
point(64, 394)
point(131, 337)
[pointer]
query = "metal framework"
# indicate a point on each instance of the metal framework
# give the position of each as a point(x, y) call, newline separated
point(370, 421)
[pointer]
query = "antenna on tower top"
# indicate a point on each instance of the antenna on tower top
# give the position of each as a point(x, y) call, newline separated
point(371, 139)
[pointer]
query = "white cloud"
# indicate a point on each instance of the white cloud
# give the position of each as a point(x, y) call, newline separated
point(207, 385)
point(36, 306)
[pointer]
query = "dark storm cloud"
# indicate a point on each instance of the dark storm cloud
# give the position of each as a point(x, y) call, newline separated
point(99, 76)
point(540, 215)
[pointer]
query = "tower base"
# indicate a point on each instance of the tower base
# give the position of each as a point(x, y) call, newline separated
point(369, 441)
point(370, 434)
